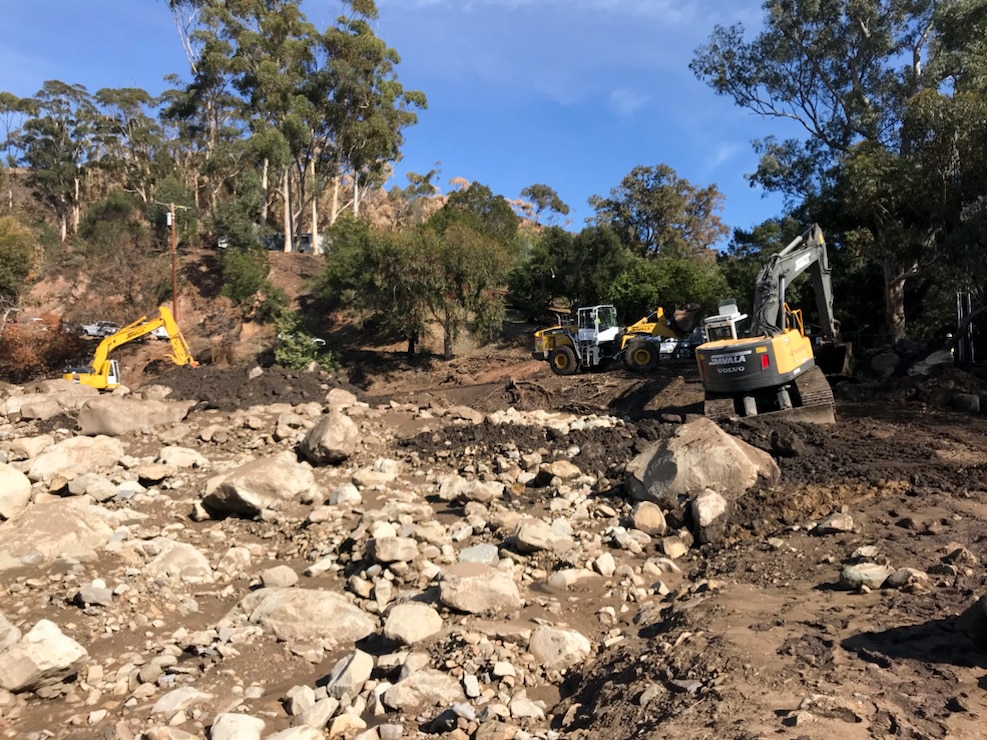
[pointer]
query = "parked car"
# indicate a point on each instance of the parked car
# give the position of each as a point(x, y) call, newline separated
point(99, 329)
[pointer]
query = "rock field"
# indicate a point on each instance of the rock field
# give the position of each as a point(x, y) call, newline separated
point(250, 553)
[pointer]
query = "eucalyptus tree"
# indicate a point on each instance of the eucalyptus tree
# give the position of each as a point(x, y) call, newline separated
point(133, 142)
point(59, 145)
point(656, 212)
point(361, 106)
point(848, 73)
point(545, 201)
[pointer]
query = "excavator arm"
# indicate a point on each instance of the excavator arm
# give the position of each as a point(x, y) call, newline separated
point(806, 252)
point(100, 370)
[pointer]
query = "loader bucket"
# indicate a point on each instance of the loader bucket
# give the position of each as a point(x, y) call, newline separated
point(684, 320)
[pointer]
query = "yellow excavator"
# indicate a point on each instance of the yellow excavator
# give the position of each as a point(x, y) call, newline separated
point(104, 373)
point(774, 367)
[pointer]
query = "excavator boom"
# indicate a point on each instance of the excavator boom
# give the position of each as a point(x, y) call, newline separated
point(103, 372)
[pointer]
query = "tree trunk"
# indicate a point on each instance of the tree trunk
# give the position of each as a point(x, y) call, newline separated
point(75, 209)
point(264, 185)
point(356, 195)
point(334, 208)
point(894, 301)
point(286, 195)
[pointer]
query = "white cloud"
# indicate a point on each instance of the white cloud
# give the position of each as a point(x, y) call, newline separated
point(626, 102)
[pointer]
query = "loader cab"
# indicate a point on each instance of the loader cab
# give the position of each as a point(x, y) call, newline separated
point(725, 324)
point(597, 324)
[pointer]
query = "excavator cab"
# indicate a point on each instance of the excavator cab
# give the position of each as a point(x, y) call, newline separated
point(725, 323)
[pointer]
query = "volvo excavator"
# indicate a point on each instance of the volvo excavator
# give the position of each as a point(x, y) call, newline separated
point(774, 367)
point(104, 373)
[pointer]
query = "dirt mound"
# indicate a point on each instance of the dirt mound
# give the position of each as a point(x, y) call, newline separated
point(228, 389)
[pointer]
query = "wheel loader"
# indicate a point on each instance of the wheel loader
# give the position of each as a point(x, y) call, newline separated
point(774, 367)
point(596, 339)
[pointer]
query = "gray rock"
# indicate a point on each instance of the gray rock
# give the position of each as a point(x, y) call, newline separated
point(115, 416)
point(41, 657)
point(306, 616)
point(61, 528)
point(534, 535)
point(424, 688)
point(258, 485)
point(412, 622)
point(558, 649)
point(349, 674)
point(476, 589)
point(834, 524)
point(75, 456)
point(973, 622)
point(871, 575)
point(280, 576)
point(15, 491)
point(333, 439)
point(699, 455)
point(234, 726)
point(709, 516)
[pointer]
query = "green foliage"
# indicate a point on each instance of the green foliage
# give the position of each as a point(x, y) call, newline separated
point(666, 281)
point(18, 253)
point(297, 349)
point(654, 211)
point(479, 209)
point(545, 200)
point(245, 282)
point(562, 268)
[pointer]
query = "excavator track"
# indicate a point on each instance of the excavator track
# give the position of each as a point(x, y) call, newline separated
point(813, 400)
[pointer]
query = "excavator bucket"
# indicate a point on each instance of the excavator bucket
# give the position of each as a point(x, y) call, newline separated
point(835, 360)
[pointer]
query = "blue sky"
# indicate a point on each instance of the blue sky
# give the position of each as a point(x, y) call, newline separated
point(569, 93)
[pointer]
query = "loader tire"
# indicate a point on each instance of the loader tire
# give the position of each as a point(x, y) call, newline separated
point(562, 360)
point(641, 356)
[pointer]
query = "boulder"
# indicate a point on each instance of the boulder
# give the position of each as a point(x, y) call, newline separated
point(76, 456)
point(15, 491)
point(305, 616)
point(258, 485)
point(333, 439)
point(698, 456)
point(558, 649)
point(476, 589)
point(412, 622)
point(42, 657)
point(45, 531)
point(114, 416)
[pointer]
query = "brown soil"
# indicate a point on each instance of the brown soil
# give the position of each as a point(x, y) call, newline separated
point(758, 629)
point(755, 639)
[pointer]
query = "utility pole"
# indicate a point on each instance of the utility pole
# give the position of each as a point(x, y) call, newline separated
point(172, 224)
point(174, 259)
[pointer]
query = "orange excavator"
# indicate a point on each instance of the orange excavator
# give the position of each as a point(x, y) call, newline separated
point(104, 373)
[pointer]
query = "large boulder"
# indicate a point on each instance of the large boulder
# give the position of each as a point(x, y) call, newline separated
point(113, 416)
point(697, 457)
point(15, 491)
point(41, 657)
point(331, 440)
point(45, 531)
point(305, 616)
point(258, 485)
point(76, 456)
point(479, 589)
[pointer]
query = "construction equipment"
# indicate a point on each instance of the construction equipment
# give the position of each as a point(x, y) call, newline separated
point(597, 339)
point(773, 368)
point(104, 373)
